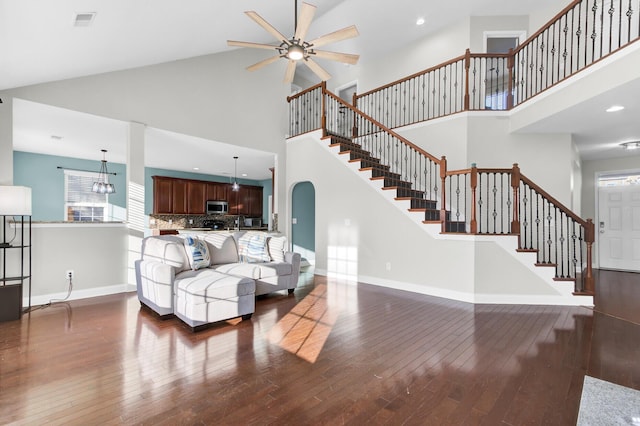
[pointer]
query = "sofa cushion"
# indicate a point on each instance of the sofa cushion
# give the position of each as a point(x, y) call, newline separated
point(256, 270)
point(276, 246)
point(274, 269)
point(252, 247)
point(222, 248)
point(207, 284)
point(250, 270)
point(197, 253)
point(166, 249)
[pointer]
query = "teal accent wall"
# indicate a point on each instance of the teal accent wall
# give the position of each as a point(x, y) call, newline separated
point(40, 173)
point(303, 208)
point(149, 172)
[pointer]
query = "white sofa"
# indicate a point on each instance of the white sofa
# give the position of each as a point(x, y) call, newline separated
point(222, 287)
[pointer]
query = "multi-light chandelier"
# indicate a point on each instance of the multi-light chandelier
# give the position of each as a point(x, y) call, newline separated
point(102, 185)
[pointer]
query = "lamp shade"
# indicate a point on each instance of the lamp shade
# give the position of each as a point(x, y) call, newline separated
point(15, 201)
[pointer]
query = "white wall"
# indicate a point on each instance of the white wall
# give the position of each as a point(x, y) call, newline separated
point(376, 71)
point(97, 253)
point(480, 24)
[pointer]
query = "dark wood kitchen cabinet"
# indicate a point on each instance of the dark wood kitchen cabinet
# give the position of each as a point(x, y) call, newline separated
point(162, 195)
point(196, 197)
point(216, 191)
point(188, 196)
point(247, 201)
point(180, 203)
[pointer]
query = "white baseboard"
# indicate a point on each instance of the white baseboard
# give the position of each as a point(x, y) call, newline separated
point(477, 298)
point(79, 294)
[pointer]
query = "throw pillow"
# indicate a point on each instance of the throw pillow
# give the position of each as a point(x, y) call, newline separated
point(252, 247)
point(222, 248)
point(197, 252)
point(276, 247)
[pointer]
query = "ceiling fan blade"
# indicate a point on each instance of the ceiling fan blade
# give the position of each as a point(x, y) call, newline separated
point(317, 69)
point(335, 36)
point(291, 70)
point(267, 26)
point(263, 63)
point(249, 44)
point(347, 58)
point(304, 20)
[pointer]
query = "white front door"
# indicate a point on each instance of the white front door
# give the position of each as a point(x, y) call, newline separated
point(618, 229)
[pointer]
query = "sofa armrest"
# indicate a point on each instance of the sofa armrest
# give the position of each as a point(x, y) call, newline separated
point(294, 259)
point(151, 272)
point(154, 284)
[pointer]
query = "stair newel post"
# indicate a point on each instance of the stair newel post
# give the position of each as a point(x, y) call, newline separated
point(589, 237)
point(515, 185)
point(467, 65)
point(443, 198)
point(323, 106)
point(474, 186)
point(354, 129)
point(510, 64)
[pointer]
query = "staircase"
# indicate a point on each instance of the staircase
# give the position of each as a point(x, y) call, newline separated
point(491, 202)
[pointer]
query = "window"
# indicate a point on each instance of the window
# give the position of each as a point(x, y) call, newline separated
point(82, 204)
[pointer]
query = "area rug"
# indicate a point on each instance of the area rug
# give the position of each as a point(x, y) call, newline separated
point(605, 403)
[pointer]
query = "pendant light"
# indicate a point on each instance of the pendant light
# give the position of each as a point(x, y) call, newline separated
point(235, 186)
point(101, 186)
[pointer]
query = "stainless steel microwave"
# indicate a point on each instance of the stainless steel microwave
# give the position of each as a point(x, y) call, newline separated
point(217, 207)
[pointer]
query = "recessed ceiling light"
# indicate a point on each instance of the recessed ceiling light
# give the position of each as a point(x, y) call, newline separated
point(420, 21)
point(196, 168)
point(244, 175)
point(615, 108)
point(84, 19)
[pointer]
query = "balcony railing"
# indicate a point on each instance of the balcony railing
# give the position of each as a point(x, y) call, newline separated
point(582, 34)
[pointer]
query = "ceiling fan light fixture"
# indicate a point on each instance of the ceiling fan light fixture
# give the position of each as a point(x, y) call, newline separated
point(295, 52)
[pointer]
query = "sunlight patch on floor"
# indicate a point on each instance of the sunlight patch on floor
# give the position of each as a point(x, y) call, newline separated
point(304, 330)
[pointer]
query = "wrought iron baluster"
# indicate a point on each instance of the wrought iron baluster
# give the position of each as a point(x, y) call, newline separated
point(480, 202)
point(620, 24)
point(561, 249)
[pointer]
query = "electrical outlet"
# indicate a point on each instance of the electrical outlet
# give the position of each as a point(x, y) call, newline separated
point(190, 221)
point(69, 274)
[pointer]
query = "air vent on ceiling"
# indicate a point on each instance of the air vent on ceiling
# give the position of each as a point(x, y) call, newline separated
point(84, 19)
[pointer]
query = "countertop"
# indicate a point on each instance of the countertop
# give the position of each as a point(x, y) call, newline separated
point(242, 228)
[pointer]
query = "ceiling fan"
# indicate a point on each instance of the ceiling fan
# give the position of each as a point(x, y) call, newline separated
point(296, 48)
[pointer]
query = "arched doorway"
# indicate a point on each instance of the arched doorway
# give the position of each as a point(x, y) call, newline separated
point(303, 221)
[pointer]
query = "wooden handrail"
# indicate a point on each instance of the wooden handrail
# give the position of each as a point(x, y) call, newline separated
point(384, 128)
point(419, 73)
point(547, 25)
point(305, 91)
point(555, 202)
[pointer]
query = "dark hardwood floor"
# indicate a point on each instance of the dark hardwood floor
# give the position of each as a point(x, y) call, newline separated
point(332, 353)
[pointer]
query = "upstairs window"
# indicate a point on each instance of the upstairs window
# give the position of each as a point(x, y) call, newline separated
point(82, 204)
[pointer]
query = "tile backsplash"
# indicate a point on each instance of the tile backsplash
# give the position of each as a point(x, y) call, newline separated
point(181, 221)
